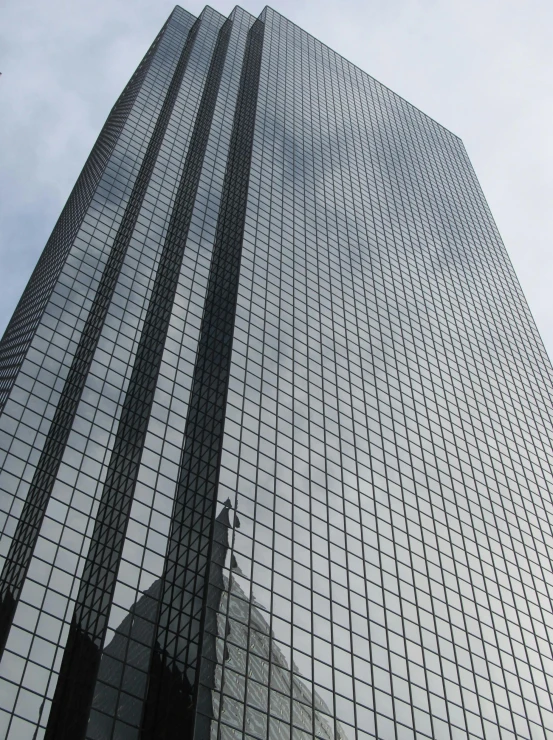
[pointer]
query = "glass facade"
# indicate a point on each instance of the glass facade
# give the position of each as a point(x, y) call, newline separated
point(275, 422)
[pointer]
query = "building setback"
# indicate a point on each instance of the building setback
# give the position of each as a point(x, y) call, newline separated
point(275, 422)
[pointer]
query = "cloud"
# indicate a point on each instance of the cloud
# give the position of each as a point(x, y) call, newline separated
point(481, 69)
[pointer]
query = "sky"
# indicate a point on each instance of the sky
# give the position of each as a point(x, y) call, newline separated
point(482, 68)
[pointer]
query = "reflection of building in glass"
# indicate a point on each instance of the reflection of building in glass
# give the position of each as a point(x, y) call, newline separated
point(251, 650)
point(124, 664)
point(243, 646)
point(276, 289)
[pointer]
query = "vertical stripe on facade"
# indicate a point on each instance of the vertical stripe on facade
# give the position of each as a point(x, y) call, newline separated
point(32, 515)
point(89, 624)
point(174, 692)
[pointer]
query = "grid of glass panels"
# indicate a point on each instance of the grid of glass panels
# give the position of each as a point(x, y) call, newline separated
point(35, 646)
point(22, 326)
point(379, 566)
point(113, 495)
point(137, 590)
point(387, 434)
point(32, 402)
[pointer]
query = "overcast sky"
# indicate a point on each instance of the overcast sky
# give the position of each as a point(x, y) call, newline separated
point(482, 68)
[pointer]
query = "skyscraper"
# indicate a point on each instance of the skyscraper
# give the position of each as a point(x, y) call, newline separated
point(276, 422)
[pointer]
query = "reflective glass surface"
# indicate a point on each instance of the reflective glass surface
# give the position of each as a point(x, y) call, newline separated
point(276, 422)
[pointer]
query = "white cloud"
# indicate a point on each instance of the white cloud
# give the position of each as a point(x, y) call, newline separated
point(479, 67)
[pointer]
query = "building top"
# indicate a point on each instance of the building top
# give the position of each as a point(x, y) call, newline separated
point(345, 59)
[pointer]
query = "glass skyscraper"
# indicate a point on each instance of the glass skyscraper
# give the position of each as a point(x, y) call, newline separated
point(276, 422)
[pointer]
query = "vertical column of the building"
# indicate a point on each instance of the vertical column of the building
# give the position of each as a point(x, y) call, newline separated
point(20, 330)
point(26, 421)
point(248, 637)
point(179, 700)
point(29, 410)
point(89, 623)
point(501, 368)
point(75, 490)
point(520, 364)
point(346, 670)
point(294, 373)
point(34, 508)
point(451, 334)
point(126, 656)
point(457, 358)
point(122, 453)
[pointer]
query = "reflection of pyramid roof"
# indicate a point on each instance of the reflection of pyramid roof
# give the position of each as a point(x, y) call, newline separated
point(247, 627)
point(131, 644)
point(244, 625)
